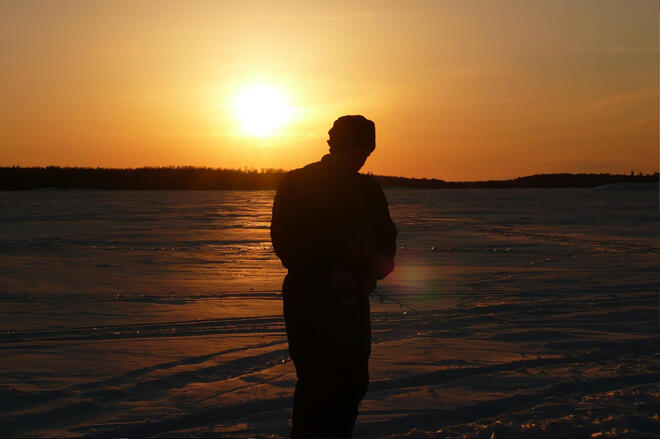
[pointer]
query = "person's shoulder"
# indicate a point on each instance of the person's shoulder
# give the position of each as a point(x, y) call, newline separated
point(300, 176)
point(373, 189)
point(308, 170)
point(370, 182)
point(304, 172)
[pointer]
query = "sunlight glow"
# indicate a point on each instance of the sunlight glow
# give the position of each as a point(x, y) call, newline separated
point(262, 110)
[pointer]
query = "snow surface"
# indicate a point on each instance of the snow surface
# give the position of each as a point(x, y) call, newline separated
point(511, 313)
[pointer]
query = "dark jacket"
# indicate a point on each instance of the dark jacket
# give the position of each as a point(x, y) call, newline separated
point(324, 223)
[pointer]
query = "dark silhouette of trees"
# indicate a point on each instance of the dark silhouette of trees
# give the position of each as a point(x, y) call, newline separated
point(197, 178)
point(163, 178)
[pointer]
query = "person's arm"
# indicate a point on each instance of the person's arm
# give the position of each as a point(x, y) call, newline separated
point(376, 258)
point(385, 237)
point(282, 226)
point(290, 230)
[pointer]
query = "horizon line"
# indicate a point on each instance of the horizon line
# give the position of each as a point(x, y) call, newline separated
point(283, 170)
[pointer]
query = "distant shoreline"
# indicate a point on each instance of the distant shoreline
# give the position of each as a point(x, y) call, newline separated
point(194, 178)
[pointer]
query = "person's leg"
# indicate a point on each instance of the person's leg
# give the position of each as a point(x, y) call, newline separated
point(329, 387)
point(326, 400)
point(308, 350)
point(330, 349)
point(314, 406)
point(354, 368)
point(344, 368)
point(304, 420)
point(350, 385)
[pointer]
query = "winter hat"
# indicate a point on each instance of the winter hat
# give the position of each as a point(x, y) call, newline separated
point(350, 132)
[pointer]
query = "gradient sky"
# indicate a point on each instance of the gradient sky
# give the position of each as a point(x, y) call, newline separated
point(459, 90)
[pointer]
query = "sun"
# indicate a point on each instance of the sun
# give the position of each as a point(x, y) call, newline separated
point(262, 110)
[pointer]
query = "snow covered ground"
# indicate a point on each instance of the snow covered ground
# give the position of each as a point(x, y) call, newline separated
point(511, 313)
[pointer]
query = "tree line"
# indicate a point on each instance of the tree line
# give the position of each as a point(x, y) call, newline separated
point(198, 178)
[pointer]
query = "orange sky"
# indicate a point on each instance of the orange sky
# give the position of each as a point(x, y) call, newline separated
point(459, 90)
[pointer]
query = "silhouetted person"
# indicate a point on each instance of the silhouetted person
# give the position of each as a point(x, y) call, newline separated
point(332, 229)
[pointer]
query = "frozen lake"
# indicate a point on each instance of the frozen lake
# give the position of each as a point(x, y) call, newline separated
point(528, 312)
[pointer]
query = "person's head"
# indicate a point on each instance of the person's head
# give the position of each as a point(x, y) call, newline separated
point(352, 139)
